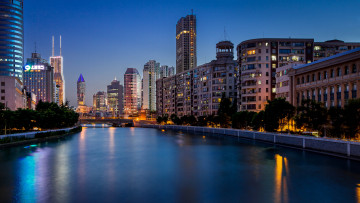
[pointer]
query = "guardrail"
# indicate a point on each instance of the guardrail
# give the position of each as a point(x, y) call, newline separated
point(29, 135)
point(347, 148)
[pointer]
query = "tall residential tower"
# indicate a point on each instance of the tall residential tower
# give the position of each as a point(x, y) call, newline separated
point(132, 92)
point(57, 63)
point(186, 44)
point(115, 94)
point(151, 73)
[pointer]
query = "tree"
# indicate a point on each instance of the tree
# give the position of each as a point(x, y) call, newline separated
point(225, 111)
point(336, 121)
point(352, 118)
point(159, 119)
point(175, 119)
point(275, 112)
point(311, 115)
point(258, 120)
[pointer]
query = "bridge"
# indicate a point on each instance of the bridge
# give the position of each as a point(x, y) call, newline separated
point(109, 121)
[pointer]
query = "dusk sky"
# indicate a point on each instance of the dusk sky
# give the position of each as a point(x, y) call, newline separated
point(103, 38)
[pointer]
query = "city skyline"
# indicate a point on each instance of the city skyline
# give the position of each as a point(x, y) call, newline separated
point(118, 51)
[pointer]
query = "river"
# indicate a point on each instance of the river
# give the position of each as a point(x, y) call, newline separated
point(150, 165)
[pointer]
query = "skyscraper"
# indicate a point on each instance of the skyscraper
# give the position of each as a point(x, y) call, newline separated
point(57, 63)
point(39, 78)
point(186, 44)
point(132, 92)
point(81, 88)
point(115, 96)
point(12, 38)
point(151, 73)
point(100, 102)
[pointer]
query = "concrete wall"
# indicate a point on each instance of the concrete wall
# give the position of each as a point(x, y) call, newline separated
point(340, 147)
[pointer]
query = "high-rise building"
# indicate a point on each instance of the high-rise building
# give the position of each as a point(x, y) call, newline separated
point(186, 44)
point(258, 61)
point(198, 91)
point(57, 63)
point(166, 71)
point(132, 92)
point(151, 73)
point(12, 38)
point(39, 78)
point(100, 103)
point(115, 96)
point(81, 89)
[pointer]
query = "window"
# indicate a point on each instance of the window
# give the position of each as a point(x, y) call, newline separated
point(259, 98)
point(346, 70)
point(267, 73)
point(267, 58)
point(267, 65)
point(339, 72)
point(308, 78)
point(332, 73)
point(267, 82)
point(2, 83)
point(267, 50)
point(319, 76)
point(285, 51)
point(313, 77)
point(2, 91)
point(325, 75)
point(267, 89)
point(259, 51)
point(354, 68)
point(251, 59)
point(259, 90)
point(273, 58)
point(3, 98)
point(251, 52)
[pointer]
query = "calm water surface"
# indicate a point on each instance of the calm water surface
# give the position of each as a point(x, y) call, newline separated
point(148, 165)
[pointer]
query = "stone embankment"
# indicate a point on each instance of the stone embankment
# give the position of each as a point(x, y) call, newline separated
point(324, 145)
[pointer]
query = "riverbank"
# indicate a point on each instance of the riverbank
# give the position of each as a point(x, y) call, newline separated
point(346, 149)
point(36, 137)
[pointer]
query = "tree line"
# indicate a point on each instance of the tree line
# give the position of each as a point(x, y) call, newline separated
point(45, 116)
point(280, 115)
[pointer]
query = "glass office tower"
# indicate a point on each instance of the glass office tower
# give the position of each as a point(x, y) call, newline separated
point(11, 38)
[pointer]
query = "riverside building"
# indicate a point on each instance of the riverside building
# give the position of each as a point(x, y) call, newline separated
point(258, 61)
point(12, 39)
point(132, 92)
point(186, 44)
point(39, 78)
point(198, 91)
point(100, 102)
point(58, 63)
point(333, 80)
point(115, 94)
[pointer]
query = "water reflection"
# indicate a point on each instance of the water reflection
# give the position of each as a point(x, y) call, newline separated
point(281, 179)
point(358, 193)
point(62, 171)
point(27, 179)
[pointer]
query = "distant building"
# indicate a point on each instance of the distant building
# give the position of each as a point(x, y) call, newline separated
point(132, 92)
point(166, 71)
point(39, 78)
point(151, 73)
point(333, 80)
point(100, 103)
point(12, 93)
point(81, 90)
point(332, 47)
point(58, 63)
point(12, 39)
point(283, 81)
point(258, 61)
point(198, 91)
point(186, 44)
point(115, 94)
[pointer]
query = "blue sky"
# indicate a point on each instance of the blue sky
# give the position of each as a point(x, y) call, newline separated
point(103, 38)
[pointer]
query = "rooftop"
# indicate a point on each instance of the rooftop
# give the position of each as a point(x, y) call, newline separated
point(81, 78)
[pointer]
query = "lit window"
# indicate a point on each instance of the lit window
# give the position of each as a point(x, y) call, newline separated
point(273, 58)
point(251, 52)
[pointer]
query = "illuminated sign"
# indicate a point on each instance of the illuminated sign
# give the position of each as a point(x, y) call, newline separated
point(34, 67)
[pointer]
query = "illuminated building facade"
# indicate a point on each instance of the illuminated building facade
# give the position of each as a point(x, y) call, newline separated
point(115, 94)
point(333, 80)
point(12, 38)
point(58, 62)
point(39, 78)
point(186, 44)
point(332, 47)
point(258, 61)
point(100, 103)
point(132, 92)
point(198, 91)
point(81, 90)
point(151, 73)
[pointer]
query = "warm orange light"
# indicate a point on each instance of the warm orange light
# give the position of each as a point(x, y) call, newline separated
point(163, 130)
point(358, 193)
point(251, 52)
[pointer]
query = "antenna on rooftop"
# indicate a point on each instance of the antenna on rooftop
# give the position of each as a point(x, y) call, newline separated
point(53, 45)
point(60, 45)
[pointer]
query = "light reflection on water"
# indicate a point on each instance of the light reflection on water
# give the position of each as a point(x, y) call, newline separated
point(148, 165)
